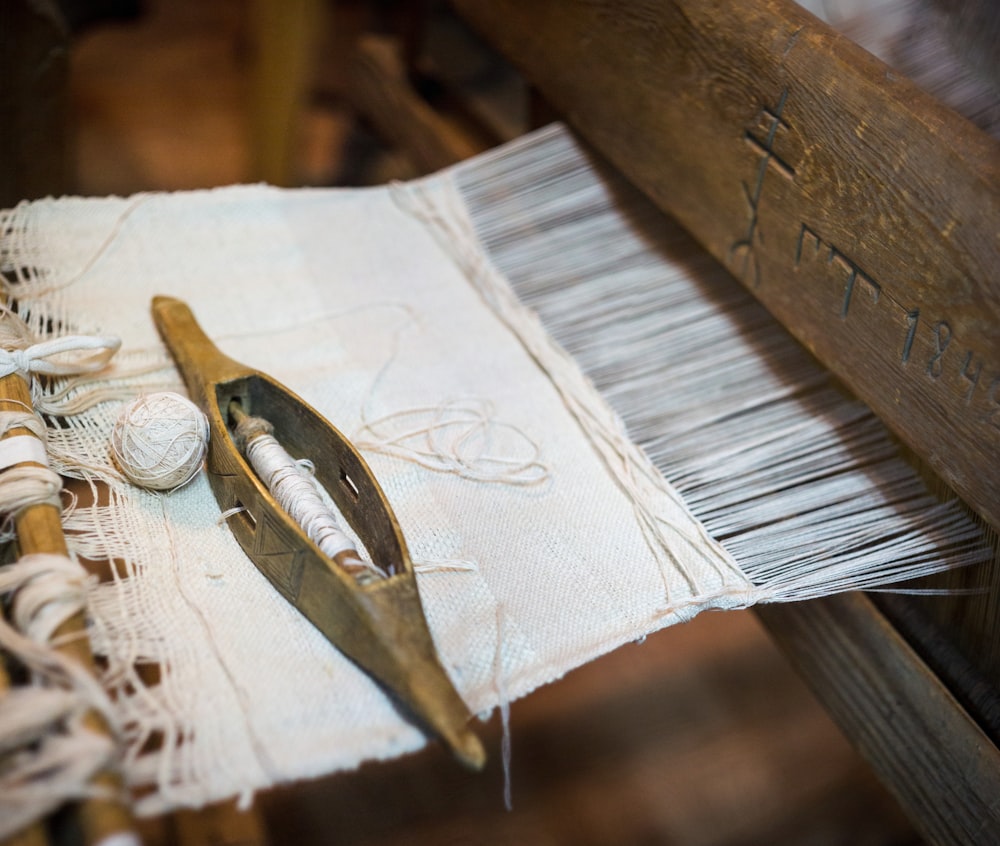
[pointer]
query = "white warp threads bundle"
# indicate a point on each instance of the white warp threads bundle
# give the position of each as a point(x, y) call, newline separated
point(159, 441)
point(775, 461)
point(24, 484)
point(47, 754)
point(292, 484)
point(22, 352)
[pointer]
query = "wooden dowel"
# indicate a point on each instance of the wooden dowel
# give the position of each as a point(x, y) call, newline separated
point(39, 530)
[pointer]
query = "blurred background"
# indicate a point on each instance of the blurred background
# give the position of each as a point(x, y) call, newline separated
point(701, 735)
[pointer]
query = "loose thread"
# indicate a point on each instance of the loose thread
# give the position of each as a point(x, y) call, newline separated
point(504, 700)
point(445, 565)
point(457, 437)
point(453, 436)
point(230, 512)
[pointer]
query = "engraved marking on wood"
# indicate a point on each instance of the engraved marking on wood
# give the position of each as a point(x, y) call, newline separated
point(771, 121)
point(850, 268)
point(912, 319)
point(950, 369)
point(964, 377)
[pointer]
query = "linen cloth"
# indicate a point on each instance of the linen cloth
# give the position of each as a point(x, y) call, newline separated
point(534, 558)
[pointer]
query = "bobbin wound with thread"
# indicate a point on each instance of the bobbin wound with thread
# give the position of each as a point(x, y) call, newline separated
point(247, 427)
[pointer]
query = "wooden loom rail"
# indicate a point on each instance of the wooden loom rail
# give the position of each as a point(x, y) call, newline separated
point(941, 767)
point(861, 212)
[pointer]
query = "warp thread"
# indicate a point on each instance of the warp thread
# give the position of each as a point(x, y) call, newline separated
point(506, 746)
point(775, 463)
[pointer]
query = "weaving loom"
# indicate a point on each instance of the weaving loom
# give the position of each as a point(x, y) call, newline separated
point(442, 269)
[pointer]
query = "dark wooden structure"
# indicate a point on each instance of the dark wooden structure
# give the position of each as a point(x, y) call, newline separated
point(34, 67)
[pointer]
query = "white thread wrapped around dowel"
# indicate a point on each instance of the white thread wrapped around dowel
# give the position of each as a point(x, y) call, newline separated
point(25, 484)
point(159, 441)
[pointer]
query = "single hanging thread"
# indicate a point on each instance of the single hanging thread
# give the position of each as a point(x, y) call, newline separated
point(159, 441)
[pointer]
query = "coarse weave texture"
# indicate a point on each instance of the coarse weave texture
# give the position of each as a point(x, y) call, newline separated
point(543, 536)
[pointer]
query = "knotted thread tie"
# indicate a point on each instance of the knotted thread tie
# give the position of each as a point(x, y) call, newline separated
point(66, 356)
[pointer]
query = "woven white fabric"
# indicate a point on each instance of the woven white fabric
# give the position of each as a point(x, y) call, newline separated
point(351, 302)
point(542, 535)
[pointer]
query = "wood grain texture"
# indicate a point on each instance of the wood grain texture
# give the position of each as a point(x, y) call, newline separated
point(382, 94)
point(858, 210)
point(939, 764)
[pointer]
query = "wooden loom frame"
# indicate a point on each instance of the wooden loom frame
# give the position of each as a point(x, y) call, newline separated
point(633, 64)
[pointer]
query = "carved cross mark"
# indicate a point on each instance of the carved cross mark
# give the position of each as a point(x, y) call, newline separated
point(760, 137)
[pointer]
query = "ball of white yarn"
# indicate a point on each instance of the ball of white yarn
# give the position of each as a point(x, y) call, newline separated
point(159, 441)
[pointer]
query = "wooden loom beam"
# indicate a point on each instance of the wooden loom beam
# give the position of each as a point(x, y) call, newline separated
point(382, 94)
point(935, 759)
